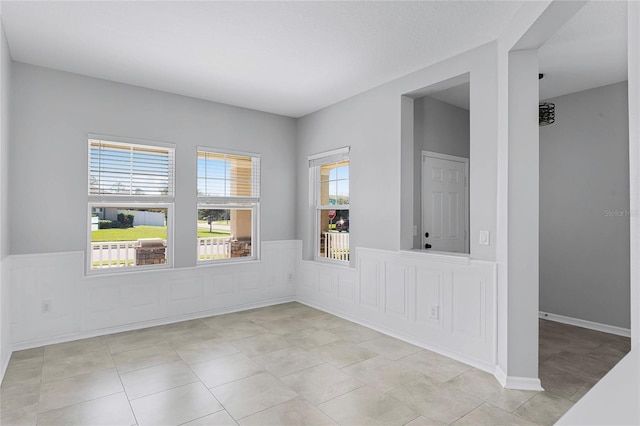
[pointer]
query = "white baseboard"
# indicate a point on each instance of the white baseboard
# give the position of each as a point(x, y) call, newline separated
point(5, 364)
point(500, 376)
point(517, 383)
point(36, 343)
point(523, 383)
point(605, 328)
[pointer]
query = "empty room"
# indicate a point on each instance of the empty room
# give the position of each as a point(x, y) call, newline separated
point(340, 213)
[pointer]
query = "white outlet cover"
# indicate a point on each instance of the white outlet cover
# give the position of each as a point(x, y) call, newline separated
point(434, 313)
point(484, 238)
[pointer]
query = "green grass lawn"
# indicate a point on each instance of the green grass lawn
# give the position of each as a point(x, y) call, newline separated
point(137, 232)
point(215, 222)
point(129, 234)
point(204, 233)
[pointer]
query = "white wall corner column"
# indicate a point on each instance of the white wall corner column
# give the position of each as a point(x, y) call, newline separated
point(5, 89)
point(407, 173)
point(522, 221)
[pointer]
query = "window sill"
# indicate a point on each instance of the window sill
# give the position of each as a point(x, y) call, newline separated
point(330, 262)
point(204, 263)
point(94, 273)
point(437, 256)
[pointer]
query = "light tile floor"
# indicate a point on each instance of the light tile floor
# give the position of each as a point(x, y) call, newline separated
point(287, 364)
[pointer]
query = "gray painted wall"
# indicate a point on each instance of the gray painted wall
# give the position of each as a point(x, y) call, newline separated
point(441, 127)
point(438, 127)
point(54, 111)
point(5, 85)
point(584, 207)
point(382, 155)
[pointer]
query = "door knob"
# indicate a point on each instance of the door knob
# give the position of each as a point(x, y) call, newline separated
point(427, 246)
point(426, 235)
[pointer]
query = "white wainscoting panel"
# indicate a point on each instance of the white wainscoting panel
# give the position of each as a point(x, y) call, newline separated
point(369, 273)
point(5, 317)
point(82, 306)
point(396, 292)
point(446, 304)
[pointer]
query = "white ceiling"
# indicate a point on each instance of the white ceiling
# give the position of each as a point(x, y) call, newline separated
point(588, 51)
point(290, 58)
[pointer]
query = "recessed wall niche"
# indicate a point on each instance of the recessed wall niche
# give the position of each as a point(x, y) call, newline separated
point(441, 145)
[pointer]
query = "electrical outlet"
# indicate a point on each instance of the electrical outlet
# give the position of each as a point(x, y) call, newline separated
point(434, 312)
point(290, 276)
point(46, 306)
point(484, 238)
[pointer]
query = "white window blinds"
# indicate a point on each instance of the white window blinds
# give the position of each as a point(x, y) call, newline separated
point(126, 169)
point(231, 176)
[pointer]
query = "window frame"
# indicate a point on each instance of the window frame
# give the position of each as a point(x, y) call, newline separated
point(138, 268)
point(233, 203)
point(124, 201)
point(316, 161)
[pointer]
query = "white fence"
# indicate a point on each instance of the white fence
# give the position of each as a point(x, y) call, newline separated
point(212, 248)
point(140, 218)
point(336, 245)
point(110, 254)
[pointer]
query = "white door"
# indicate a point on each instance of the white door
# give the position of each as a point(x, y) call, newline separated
point(445, 202)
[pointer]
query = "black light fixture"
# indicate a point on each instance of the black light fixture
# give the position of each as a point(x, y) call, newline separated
point(546, 111)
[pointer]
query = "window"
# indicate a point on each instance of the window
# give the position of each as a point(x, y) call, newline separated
point(130, 194)
point(228, 203)
point(126, 169)
point(330, 174)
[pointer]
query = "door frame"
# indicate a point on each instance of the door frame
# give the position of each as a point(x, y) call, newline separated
point(439, 156)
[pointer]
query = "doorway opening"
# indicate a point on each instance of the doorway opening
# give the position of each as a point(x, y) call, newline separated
point(584, 210)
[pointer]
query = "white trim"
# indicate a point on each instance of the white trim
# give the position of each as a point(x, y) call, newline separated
point(500, 376)
point(523, 383)
point(437, 256)
point(605, 328)
point(339, 151)
point(213, 150)
point(465, 161)
point(516, 383)
point(328, 263)
point(131, 141)
point(5, 364)
point(36, 343)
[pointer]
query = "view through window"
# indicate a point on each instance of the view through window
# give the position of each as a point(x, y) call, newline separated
point(332, 205)
point(228, 201)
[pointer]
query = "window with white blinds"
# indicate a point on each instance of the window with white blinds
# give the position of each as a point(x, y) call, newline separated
point(130, 169)
point(230, 176)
